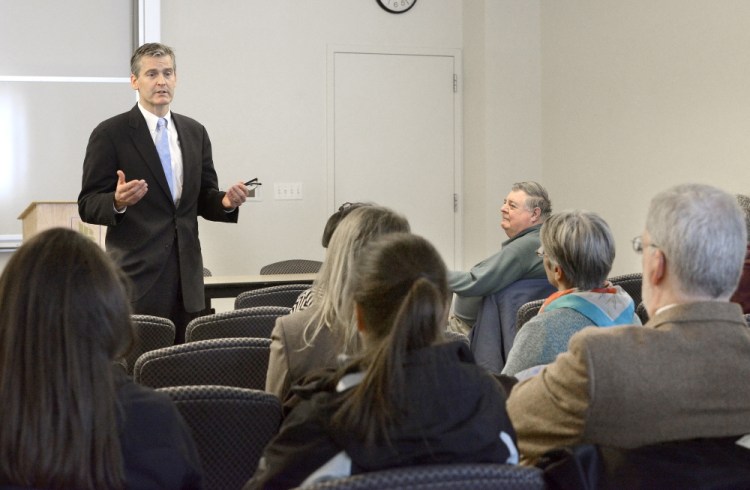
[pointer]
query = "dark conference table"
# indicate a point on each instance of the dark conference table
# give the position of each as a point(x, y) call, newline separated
point(231, 286)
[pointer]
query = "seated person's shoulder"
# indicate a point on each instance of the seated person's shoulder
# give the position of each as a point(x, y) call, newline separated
point(598, 337)
point(145, 409)
point(293, 324)
point(157, 445)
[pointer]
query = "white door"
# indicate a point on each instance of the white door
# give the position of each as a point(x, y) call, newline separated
point(394, 131)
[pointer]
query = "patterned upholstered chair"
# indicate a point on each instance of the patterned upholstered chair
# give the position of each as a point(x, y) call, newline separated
point(239, 362)
point(246, 322)
point(631, 283)
point(283, 295)
point(527, 311)
point(294, 266)
point(640, 310)
point(705, 463)
point(230, 426)
point(445, 477)
point(151, 332)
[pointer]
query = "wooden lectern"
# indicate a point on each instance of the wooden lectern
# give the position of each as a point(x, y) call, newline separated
point(41, 215)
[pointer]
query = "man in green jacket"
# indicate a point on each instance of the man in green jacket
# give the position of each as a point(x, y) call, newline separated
point(523, 212)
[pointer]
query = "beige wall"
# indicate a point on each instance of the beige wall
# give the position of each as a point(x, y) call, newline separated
point(255, 73)
point(641, 95)
point(258, 83)
point(606, 102)
point(502, 106)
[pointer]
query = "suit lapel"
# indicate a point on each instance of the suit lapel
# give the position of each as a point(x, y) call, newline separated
point(142, 141)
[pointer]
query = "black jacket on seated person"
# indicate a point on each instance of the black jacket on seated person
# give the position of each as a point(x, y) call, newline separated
point(454, 412)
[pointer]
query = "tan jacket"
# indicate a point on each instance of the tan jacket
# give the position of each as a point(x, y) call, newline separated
point(291, 358)
point(683, 375)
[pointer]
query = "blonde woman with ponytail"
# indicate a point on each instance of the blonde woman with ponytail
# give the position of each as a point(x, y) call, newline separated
point(409, 397)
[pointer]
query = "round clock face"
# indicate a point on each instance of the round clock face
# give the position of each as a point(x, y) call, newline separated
point(396, 6)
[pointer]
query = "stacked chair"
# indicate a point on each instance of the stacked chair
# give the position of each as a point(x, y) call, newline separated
point(464, 476)
point(293, 266)
point(631, 283)
point(527, 311)
point(217, 380)
point(151, 332)
point(239, 362)
point(246, 322)
point(231, 427)
point(284, 295)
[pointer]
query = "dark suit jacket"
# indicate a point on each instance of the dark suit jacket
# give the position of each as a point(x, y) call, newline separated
point(141, 238)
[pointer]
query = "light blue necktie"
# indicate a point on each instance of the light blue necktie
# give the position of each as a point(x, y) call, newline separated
point(162, 146)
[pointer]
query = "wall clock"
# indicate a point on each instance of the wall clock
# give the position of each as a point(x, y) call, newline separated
point(396, 6)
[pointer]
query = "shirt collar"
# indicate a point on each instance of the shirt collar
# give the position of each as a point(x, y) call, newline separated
point(152, 119)
point(664, 308)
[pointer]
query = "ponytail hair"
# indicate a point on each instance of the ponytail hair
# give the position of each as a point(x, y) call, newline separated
point(402, 295)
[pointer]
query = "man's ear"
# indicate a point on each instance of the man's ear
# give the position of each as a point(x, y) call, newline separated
point(661, 265)
point(536, 214)
point(658, 269)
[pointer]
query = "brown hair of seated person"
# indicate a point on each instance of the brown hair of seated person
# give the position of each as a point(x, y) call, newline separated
point(335, 219)
point(402, 302)
point(65, 317)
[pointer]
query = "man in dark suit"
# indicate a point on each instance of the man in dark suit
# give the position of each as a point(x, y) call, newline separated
point(681, 376)
point(147, 175)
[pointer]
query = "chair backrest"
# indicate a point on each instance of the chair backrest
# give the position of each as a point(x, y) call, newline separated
point(151, 332)
point(640, 310)
point(464, 476)
point(705, 463)
point(293, 266)
point(247, 322)
point(239, 362)
point(450, 335)
point(206, 272)
point(283, 295)
point(230, 426)
point(631, 283)
point(527, 311)
point(495, 329)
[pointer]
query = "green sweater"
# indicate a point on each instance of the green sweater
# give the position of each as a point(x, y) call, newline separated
point(516, 260)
